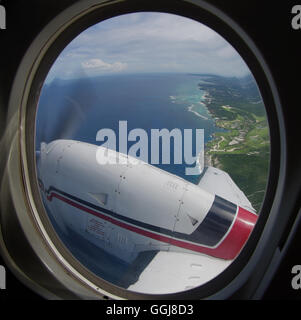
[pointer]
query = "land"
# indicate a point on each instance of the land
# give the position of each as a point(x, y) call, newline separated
point(242, 148)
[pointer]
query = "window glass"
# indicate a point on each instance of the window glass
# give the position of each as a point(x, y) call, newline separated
point(152, 151)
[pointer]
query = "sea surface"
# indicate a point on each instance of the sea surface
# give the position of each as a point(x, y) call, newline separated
point(78, 109)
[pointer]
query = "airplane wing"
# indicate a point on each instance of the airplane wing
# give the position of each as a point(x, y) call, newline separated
point(170, 272)
point(220, 183)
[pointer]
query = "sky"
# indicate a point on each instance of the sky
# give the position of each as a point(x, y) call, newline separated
point(147, 42)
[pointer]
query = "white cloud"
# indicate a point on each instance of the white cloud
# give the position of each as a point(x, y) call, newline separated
point(101, 65)
point(148, 42)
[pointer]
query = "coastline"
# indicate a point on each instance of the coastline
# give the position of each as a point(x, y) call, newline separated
point(243, 148)
point(240, 142)
point(209, 160)
point(190, 109)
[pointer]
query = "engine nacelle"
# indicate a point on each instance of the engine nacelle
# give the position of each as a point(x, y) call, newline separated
point(132, 206)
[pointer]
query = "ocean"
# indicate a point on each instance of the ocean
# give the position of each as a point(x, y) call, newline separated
point(78, 109)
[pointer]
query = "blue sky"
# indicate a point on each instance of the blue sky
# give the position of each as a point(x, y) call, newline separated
point(147, 42)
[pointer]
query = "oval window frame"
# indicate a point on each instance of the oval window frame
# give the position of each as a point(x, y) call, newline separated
point(28, 84)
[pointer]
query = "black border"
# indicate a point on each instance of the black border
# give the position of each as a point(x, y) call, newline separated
point(192, 11)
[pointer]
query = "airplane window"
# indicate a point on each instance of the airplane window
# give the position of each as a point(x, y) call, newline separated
point(152, 151)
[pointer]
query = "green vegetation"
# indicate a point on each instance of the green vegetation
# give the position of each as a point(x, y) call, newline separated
point(243, 148)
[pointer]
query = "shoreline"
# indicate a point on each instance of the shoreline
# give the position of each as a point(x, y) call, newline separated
point(190, 109)
point(208, 158)
point(242, 148)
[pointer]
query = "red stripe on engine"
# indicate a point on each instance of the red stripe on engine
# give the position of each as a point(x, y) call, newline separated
point(237, 237)
point(228, 249)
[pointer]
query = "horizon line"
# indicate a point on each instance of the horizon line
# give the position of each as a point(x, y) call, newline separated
point(147, 73)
